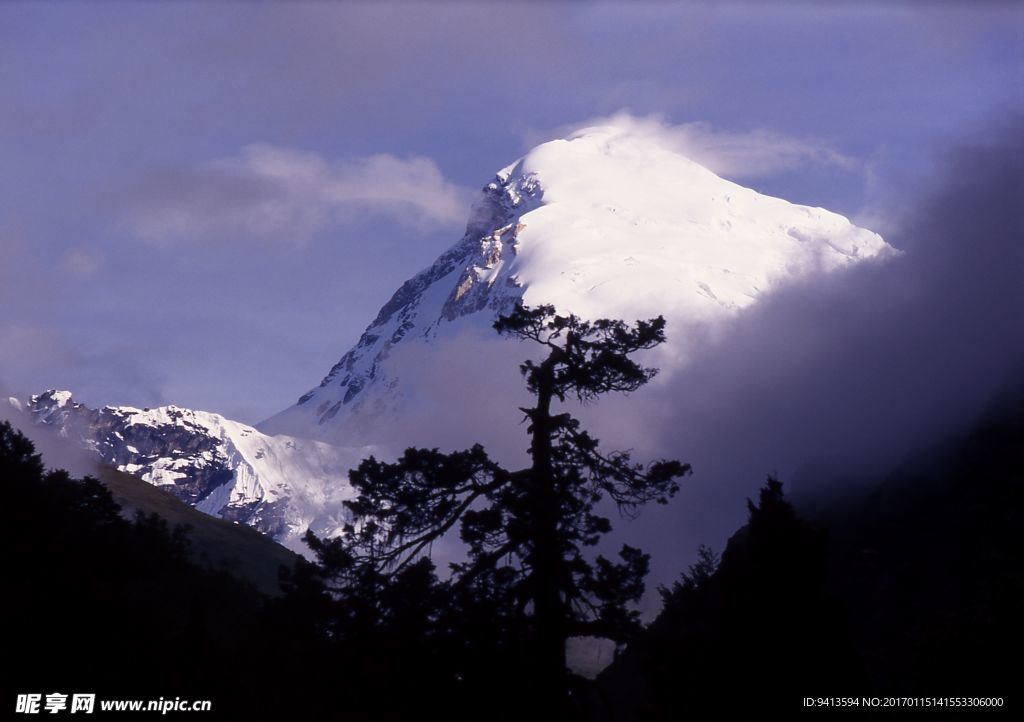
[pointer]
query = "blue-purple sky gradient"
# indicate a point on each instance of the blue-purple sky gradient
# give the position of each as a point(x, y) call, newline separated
point(204, 204)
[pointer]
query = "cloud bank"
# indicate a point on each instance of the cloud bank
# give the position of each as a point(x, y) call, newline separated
point(279, 194)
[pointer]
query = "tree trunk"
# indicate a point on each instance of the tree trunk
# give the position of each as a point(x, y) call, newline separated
point(549, 615)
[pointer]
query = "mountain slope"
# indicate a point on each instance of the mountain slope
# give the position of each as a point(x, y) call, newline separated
point(279, 485)
point(607, 223)
point(216, 543)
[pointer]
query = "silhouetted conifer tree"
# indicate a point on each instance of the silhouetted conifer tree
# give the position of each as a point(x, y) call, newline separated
point(525, 531)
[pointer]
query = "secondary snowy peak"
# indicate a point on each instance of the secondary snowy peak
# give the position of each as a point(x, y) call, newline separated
point(606, 223)
point(279, 485)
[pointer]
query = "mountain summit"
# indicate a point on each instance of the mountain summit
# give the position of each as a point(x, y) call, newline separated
point(609, 222)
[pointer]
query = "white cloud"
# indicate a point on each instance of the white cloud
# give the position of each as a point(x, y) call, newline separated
point(752, 154)
point(280, 194)
point(82, 262)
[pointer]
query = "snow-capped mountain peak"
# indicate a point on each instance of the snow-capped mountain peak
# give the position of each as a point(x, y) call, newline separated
point(609, 222)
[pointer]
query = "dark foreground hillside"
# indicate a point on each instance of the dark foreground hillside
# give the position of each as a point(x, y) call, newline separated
point(916, 591)
point(99, 604)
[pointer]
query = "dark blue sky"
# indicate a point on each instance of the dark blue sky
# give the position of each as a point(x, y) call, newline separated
point(204, 204)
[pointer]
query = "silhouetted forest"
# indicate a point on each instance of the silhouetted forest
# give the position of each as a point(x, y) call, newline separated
point(916, 591)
